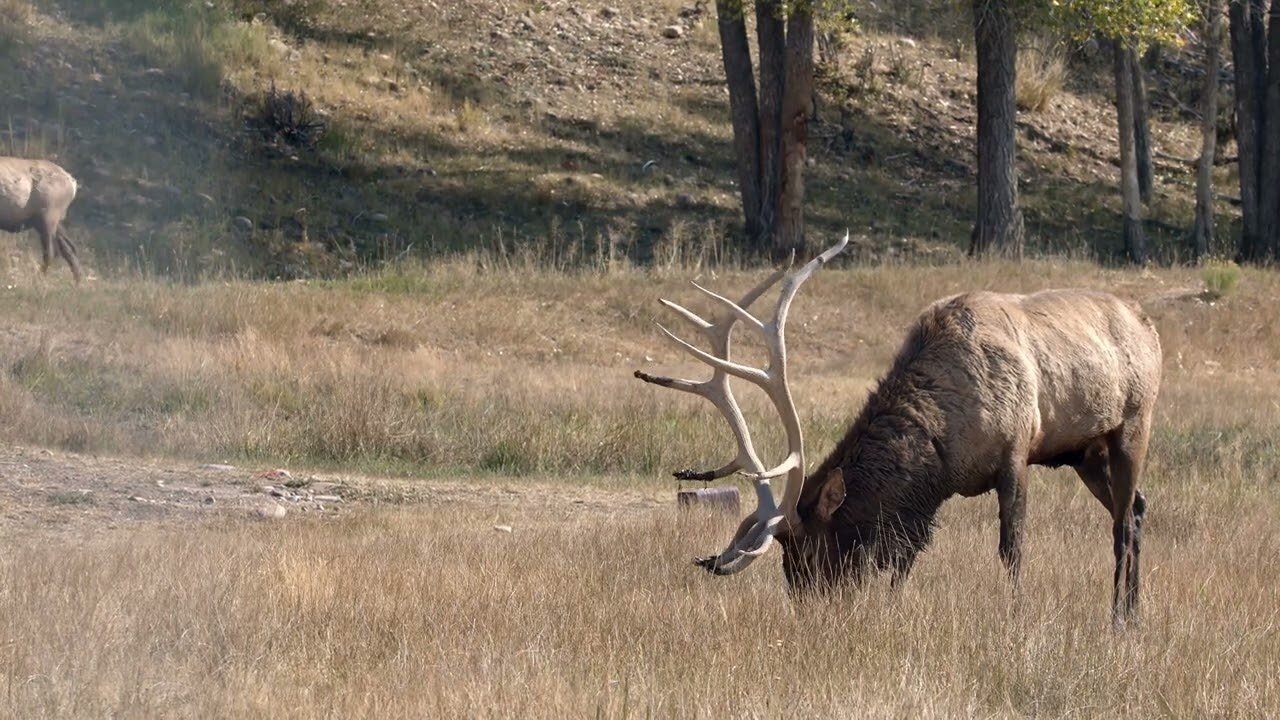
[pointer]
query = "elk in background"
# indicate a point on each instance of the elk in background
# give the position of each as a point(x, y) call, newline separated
point(985, 385)
point(36, 194)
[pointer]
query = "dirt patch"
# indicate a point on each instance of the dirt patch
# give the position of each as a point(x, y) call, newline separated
point(45, 494)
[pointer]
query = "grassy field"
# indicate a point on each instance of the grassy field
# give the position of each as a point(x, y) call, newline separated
point(500, 193)
point(479, 374)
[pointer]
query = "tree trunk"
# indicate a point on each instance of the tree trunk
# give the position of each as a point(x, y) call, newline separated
point(795, 131)
point(771, 40)
point(1135, 243)
point(1269, 186)
point(999, 223)
point(1141, 127)
point(743, 111)
point(1248, 51)
point(1202, 234)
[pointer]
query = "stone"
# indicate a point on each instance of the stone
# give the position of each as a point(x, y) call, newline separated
point(271, 511)
point(610, 12)
point(242, 223)
point(503, 528)
point(673, 32)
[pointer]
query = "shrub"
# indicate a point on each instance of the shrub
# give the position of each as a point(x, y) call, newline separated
point(1220, 278)
point(1041, 75)
point(288, 117)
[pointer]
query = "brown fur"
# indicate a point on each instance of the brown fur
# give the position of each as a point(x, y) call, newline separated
point(36, 194)
point(985, 385)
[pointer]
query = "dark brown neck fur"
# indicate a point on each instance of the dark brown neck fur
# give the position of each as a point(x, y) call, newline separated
point(894, 470)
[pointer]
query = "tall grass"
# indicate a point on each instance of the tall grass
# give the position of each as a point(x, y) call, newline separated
point(1041, 75)
point(494, 363)
point(593, 611)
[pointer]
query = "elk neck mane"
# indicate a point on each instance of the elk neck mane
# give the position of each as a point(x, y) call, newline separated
point(892, 456)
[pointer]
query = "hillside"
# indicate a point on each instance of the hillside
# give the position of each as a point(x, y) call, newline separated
point(576, 131)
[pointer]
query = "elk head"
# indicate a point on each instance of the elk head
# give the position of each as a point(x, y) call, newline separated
point(801, 530)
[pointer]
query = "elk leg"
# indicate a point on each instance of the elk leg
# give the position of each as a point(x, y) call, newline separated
point(1127, 446)
point(67, 250)
point(1011, 490)
point(47, 231)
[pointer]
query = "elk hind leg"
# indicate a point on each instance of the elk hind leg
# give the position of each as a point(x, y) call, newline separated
point(1011, 491)
point(1127, 447)
point(67, 250)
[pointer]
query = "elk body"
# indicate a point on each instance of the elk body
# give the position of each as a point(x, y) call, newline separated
point(36, 194)
point(984, 386)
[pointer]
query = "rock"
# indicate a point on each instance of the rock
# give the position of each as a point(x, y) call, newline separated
point(502, 528)
point(673, 32)
point(217, 466)
point(242, 223)
point(208, 500)
point(271, 511)
point(685, 200)
point(610, 12)
point(378, 217)
point(327, 498)
point(277, 474)
point(279, 46)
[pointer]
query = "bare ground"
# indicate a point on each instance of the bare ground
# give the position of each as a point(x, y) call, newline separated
point(47, 494)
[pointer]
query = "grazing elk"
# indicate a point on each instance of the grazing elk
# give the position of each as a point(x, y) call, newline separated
point(985, 385)
point(37, 193)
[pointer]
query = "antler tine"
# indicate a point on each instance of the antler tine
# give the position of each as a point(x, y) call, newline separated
point(794, 281)
point(745, 372)
point(738, 311)
point(694, 318)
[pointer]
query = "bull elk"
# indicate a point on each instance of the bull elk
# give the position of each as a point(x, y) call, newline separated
point(36, 194)
point(985, 385)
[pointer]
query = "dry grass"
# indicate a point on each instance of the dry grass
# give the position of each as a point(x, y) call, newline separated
point(490, 363)
point(1041, 75)
point(590, 611)
point(432, 613)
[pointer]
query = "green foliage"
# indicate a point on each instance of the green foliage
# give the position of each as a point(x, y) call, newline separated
point(1220, 278)
point(1142, 21)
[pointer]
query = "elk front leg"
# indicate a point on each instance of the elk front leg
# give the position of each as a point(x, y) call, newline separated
point(1011, 489)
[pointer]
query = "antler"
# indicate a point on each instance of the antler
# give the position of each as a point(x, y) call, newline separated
point(756, 532)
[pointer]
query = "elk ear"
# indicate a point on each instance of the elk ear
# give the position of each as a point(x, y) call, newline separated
point(831, 496)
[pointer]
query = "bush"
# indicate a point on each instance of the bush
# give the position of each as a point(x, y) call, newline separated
point(288, 117)
point(1041, 75)
point(1220, 278)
